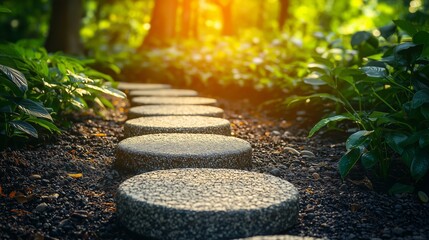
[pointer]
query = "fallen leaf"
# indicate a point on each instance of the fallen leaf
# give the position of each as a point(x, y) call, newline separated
point(99, 134)
point(21, 198)
point(423, 196)
point(12, 194)
point(354, 207)
point(1, 192)
point(75, 175)
point(20, 212)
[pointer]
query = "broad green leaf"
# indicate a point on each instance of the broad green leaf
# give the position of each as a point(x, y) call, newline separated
point(401, 188)
point(106, 102)
point(357, 139)
point(24, 127)
point(369, 159)
point(387, 31)
point(16, 77)
point(78, 78)
point(108, 90)
point(377, 72)
point(326, 121)
point(421, 97)
point(45, 124)
point(348, 161)
point(407, 155)
point(395, 141)
point(406, 26)
point(420, 165)
point(318, 67)
point(32, 108)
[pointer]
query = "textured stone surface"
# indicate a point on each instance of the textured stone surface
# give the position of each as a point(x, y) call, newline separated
point(137, 101)
point(141, 86)
point(174, 110)
point(176, 124)
point(178, 150)
point(280, 237)
point(164, 93)
point(206, 204)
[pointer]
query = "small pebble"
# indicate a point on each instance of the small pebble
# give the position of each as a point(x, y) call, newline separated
point(35, 177)
point(41, 207)
point(316, 176)
point(275, 171)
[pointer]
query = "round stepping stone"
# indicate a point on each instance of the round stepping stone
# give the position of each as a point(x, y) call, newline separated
point(206, 204)
point(164, 93)
point(176, 124)
point(137, 101)
point(179, 150)
point(174, 110)
point(141, 86)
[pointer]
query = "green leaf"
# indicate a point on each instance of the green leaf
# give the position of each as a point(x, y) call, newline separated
point(360, 37)
point(421, 97)
point(407, 155)
point(293, 100)
point(348, 161)
point(16, 77)
point(420, 165)
point(401, 188)
point(421, 37)
point(314, 79)
point(357, 139)
point(328, 120)
point(45, 124)
point(387, 31)
point(406, 26)
point(395, 141)
point(424, 140)
point(107, 90)
point(377, 72)
point(32, 108)
point(24, 127)
point(369, 159)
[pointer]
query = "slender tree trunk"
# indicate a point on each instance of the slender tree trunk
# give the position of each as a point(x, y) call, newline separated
point(195, 19)
point(228, 27)
point(283, 14)
point(162, 24)
point(186, 18)
point(64, 27)
point(226, 9)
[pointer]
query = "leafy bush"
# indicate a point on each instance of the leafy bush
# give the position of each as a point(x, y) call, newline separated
point(383, 87)
point(37, 90)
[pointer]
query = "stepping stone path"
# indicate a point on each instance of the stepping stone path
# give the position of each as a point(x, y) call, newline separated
point(174, 110)
point(137, 101)
point(176, 124)
point(191, 190)
point(206, 204)
point(164, 93)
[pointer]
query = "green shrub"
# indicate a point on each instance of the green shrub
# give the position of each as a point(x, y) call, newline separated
point(37, 90)
point(383, 88)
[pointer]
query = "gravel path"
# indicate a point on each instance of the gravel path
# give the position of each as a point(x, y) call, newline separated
point(43, 195)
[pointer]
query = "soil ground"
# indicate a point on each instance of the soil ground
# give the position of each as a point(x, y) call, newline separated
point(65, 188)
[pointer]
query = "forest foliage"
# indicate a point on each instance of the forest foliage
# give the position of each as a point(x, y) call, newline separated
point(364, 62)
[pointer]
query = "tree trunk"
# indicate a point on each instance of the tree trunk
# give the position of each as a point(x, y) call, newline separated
point(64, 27)
point(283, 15)
point(162, 23)
point(226, 9)
point(186, 19)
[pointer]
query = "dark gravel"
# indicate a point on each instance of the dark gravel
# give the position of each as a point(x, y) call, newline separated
point(40, 200)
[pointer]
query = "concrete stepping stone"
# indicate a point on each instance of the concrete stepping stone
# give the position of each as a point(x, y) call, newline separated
point(176, 124)
point(137, 101)
point(164, 93)
point(141, 86)
point(174, 110)
point(206, 204)
point(179, 150)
